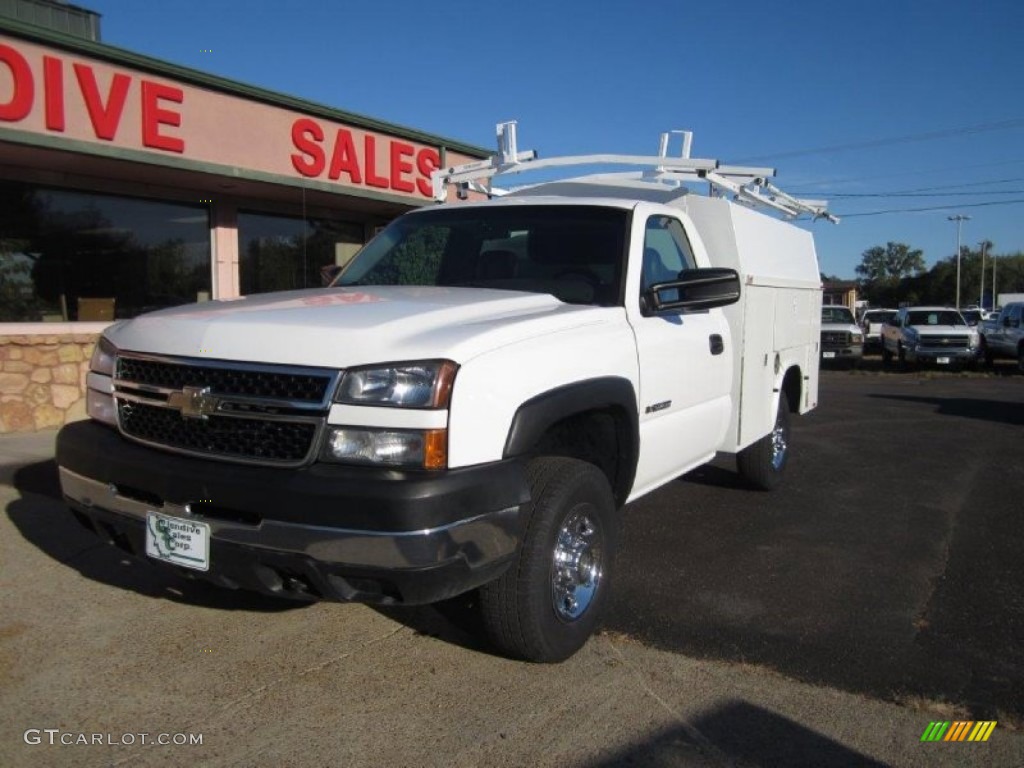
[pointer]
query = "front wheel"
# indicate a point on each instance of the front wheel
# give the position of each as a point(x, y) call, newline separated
point(550, 600)
point(762, 463)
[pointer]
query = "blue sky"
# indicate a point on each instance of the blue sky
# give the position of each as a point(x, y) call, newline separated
point(871, 97)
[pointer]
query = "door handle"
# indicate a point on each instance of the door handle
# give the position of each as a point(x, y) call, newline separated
point(716, 343)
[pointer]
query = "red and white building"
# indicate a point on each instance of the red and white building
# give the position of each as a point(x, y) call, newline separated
point(128, 184)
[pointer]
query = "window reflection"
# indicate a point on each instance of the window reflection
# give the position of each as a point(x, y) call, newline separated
point(71, 255)
point(281, 253)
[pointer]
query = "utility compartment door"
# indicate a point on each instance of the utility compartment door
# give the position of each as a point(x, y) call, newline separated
point(756, 413)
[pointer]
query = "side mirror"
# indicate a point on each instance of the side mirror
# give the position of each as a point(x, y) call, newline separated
point(328, 273)
point(695, 289)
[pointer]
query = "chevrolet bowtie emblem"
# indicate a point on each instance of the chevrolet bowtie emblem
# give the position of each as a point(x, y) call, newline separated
point(194, 402)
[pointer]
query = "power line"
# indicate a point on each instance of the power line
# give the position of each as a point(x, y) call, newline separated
point(855, 179)
point(931, 208)
point(845, 195)
point(908, 139)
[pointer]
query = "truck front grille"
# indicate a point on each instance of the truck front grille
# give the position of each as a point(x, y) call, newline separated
point(835, 338)
point(233, 380)
point(265, 414)
point(946, 342)
point(258, 440)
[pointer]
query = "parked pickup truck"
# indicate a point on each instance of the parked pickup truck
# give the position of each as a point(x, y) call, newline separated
point(1003, 337)
point(469, 405)
point(842, 340)
point(872, 321)
point(929, 334)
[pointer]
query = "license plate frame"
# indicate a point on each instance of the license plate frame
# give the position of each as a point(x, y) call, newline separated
point(178, 540)
point(828, 355)
point(942, 360)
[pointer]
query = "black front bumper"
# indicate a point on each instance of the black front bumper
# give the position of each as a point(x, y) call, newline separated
point(322, 531)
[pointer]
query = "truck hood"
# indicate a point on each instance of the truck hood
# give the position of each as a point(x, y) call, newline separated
point(344, 327)
point(942, 330)
point(841, 327)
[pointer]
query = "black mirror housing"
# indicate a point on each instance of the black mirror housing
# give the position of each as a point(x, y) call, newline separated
point(696, 289)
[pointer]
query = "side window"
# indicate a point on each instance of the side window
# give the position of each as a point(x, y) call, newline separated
point(666, 251)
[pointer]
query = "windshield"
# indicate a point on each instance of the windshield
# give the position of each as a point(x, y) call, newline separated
point(935, 317)
point(575, 253)
point(836, 315)
point(972, 316)
point(878, 317)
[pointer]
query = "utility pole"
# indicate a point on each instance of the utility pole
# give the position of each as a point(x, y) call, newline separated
point(959, 219)
point(995, 295)
point(981, 300)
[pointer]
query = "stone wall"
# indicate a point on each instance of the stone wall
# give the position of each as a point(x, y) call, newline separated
point(42, 380)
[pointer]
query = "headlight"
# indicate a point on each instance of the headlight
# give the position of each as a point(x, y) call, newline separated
point(410, 385)
point(858, 338)
point(99, 403)
point(103, 357)
point(418, 449)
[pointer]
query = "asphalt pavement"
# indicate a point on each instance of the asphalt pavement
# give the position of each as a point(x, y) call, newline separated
point(827, 623)
point(889, 563)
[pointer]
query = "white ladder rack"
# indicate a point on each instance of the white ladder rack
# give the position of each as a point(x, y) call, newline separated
point(746, 185)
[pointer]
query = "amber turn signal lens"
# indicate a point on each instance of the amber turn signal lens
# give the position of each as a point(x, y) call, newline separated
point(435, 449)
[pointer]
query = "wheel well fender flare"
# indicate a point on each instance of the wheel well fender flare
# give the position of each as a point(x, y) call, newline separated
point(608, 394)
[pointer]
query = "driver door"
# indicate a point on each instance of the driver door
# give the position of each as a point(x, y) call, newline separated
point(685, 361)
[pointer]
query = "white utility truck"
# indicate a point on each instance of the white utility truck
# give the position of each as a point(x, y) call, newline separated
point(471, 403)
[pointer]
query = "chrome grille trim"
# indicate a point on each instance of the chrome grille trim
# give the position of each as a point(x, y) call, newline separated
point(247, 411)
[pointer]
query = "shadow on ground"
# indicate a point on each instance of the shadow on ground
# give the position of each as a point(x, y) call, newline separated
point(743, 734)
point(1000, 411)
point(41, 517)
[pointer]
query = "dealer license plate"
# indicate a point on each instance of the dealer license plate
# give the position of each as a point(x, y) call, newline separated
point(942, 360)
point(828, 355)
point(178, 540)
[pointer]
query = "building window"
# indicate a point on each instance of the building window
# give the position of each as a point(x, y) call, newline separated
point(280, 253)
point(72, 255)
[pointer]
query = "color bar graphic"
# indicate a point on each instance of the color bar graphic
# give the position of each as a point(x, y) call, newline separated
point(958, 730)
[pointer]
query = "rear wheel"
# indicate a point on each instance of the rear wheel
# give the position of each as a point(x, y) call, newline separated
point(762, 463)
point(1020, 358)
point(550, 600)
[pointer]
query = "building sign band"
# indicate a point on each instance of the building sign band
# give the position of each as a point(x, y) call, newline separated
point(47, 92)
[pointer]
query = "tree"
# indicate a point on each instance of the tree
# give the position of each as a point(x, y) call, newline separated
point(885, 272)
point(891, 263)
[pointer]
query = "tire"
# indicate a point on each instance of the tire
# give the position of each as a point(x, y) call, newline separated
point(537, 611)
point(986, 353)
point(763, 463)
point(1020, 359)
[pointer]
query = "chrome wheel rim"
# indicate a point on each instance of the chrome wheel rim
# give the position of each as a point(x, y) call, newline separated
point(780, 442)
point(577, 566)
